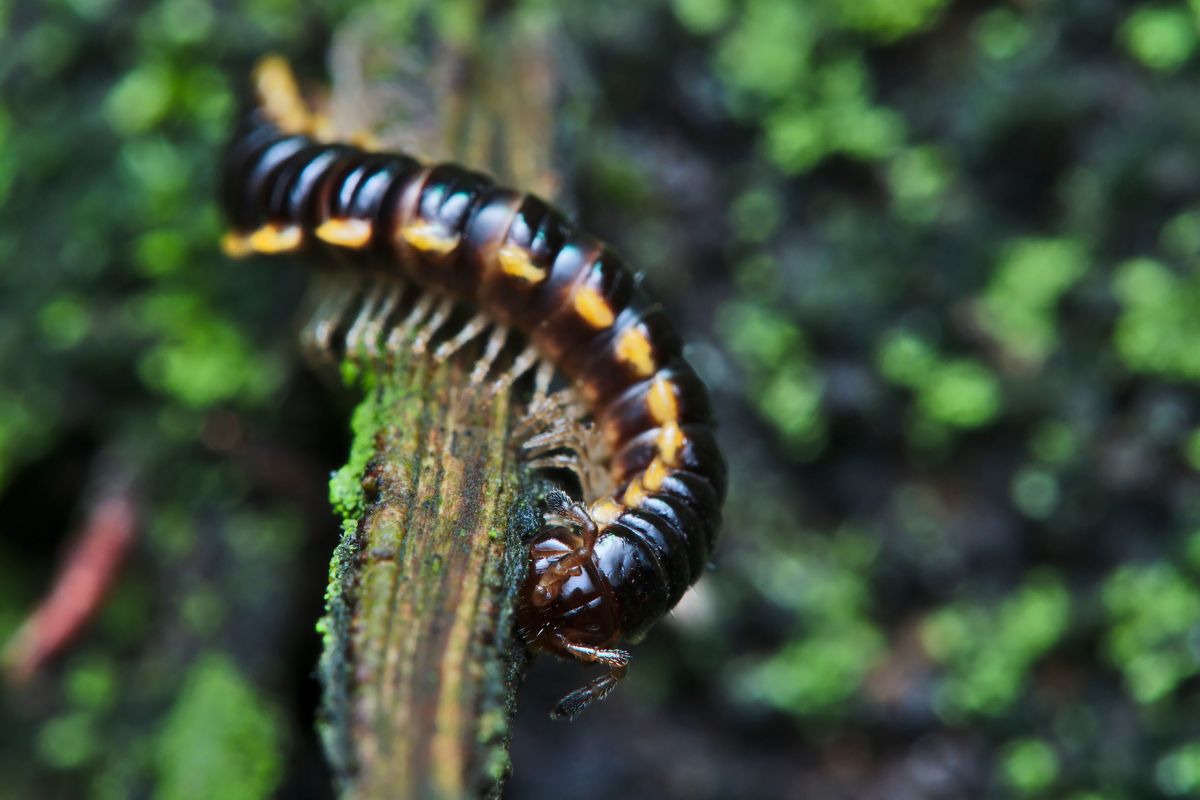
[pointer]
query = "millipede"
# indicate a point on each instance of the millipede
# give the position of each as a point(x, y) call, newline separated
point(476, 258)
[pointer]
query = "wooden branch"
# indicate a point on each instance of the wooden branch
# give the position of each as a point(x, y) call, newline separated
point(421, 659)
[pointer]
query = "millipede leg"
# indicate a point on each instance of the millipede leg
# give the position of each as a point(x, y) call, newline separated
point(616, 660)
point(309, 342)
point(578, 451)
point(281, 97)
point(541, 383)
point(573, 704)
point(441, 313)
point(521, 364)
point(549, 413)
point(562, 435)
point(399, 333)
point(609, 657)
point(491, 352)
point(557, 414)
point(594, 480)
point(571, 461)
point(475, 326)
point(317, 338)
point(354, 337)
point(382, 313)
point(562, 505)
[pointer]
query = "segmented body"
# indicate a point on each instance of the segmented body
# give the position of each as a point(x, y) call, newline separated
point(606, 570)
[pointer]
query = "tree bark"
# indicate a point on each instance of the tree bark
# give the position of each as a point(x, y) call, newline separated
point(421, 658)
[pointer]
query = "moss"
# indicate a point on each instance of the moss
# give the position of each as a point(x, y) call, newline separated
point(1035, 492)
point(1001, 33)
point(141, 99)
point(786, 387)
point(955, 393)
point(880, 192)
point(987, 650)
point(961, 393)
point(1159, 327)
point(1160, 37)
point(65, 322)
point(1054, 442)
point(199, 358)
point(811, 100)
point(1154, 611)
point(333, 667)
point(1018, 306)
point(755, 214)
point(1178, 773)
point(345, 486)
point(1028, 766)
point(702, 16)
point(814, 675)
point(92, 685)
point(264, 537)
point(220, 739)
point(919, 178)
point(203, 611)
point(906, 359)
point(1180, 236)
point(68, 741)
point(888, 19)
point(24, 432)
point(825, 585)
point(1191, 551)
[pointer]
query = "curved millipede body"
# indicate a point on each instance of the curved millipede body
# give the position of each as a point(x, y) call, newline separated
point(599, 571)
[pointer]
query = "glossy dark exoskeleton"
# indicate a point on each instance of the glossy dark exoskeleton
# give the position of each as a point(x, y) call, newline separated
point(597, 574)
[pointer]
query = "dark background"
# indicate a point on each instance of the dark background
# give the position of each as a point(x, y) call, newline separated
point(939, 262)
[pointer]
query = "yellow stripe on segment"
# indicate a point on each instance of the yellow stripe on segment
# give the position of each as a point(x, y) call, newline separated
point(322, 127)
point(661, 401)
point(280, 95)
point(605, 511)
point(273, 238)
point(654, 475)
point(634, 495)
point(235, 245)
point(594, 309)
point(429, 238)
point(515, 261)
point(365, 140)
point(634, 349)
point(649, 481)
point(352, 233)
point(669, 440)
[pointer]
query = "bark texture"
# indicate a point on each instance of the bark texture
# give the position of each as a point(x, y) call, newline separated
point(421, 658)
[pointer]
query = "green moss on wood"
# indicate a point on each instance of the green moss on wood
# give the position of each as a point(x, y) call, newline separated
point(420, 658)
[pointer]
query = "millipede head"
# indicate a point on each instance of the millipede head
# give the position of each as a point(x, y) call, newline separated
point(564, 596)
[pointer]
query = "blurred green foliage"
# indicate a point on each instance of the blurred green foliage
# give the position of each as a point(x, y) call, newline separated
point(133, 352)
point(1159, 319)
point(823, 588)
point(218, 740)
point(994, 259)
point(1029, 766)
point(1155, 614)
point(1018, 305)
point(940, 262)
point(1161, 37)
point(1178, 772)
point(988, 651)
